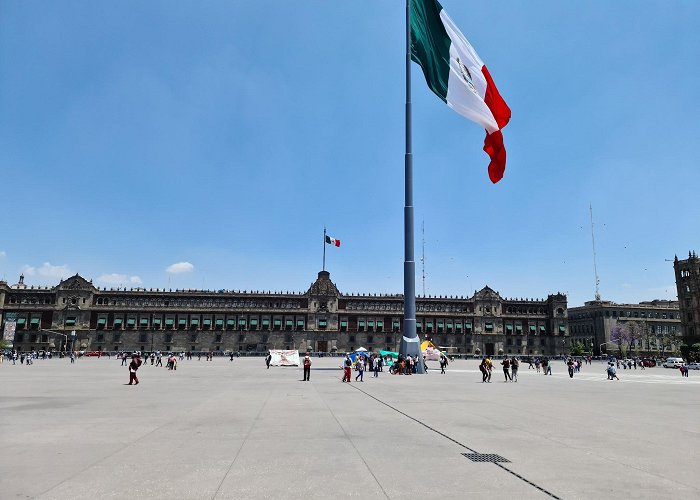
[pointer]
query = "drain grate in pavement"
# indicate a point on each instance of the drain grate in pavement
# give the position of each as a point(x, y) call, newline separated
point(485, 457)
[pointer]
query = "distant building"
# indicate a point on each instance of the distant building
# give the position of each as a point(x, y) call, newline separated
point(591, 324)
point(688, 286)
point(320, 319)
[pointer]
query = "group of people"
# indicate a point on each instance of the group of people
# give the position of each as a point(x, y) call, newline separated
point(510, 369)
point(544, 363)
point(362, 363)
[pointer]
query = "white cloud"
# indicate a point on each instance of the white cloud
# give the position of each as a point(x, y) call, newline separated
point(47, 270)
point(119, 279)
point(180, 267)
point(667, 292)
point(2, 253)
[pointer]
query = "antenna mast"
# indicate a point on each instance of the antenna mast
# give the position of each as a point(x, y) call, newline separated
point(422, 259)
point(595, 266)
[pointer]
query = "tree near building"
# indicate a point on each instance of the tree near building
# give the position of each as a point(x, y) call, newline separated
point(577, 349)
point(619, 335)
point(636, 331)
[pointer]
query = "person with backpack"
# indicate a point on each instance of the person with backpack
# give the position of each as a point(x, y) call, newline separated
point(133, 366)
point(506, 369)
point(443, 363)
point(347, 368)
point(484, 370)
point(514, 365)
point(307, 368)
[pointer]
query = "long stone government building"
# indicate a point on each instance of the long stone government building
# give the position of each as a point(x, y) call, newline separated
point(322, 319)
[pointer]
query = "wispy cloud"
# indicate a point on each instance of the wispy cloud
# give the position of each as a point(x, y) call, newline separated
point(663, 292)
point(2, 253)
point(180, 267)
point(119, 279)
point(47, 270)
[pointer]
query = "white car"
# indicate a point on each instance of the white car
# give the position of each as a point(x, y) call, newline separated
point(673, 363)
point(694, 366)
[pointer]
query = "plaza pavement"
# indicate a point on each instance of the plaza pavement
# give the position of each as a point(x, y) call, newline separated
point(221, 429)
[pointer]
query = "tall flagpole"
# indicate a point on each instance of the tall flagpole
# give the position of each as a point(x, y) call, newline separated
point(324, 249)
point(409, 341)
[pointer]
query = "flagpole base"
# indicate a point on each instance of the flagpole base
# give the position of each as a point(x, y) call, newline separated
point(411, 347)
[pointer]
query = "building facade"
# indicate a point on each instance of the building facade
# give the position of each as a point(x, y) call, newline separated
point(688, 287)
point(592, 323)
point(76, 313)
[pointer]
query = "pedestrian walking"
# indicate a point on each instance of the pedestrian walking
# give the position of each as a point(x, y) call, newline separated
point(72, 357)
point(133, 366)
point(514, 365)
point(268, 359)
point(489, 368)
point(506, 369)
point(307, 368)
point(443, 363)
point(570, 365)
point(360, 367)
point(375, 365)
point(484, 371)
point(347, 368)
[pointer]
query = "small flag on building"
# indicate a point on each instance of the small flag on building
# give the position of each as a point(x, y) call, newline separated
point(332, 241)
point(456, 74)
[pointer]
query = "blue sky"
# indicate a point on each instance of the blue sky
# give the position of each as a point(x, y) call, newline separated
point(224, 135)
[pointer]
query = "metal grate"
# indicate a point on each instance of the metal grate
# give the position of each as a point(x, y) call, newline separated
point(485, 457)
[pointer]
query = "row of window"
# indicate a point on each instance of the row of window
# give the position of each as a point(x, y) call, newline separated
point(191, 302)
point(653, 329)
point(196, 322)
point(628, 314)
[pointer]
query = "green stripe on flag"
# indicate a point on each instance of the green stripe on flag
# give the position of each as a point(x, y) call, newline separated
point(430, 45)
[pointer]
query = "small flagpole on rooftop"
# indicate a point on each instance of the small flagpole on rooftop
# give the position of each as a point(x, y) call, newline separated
point(409, 341)
point(324, 249)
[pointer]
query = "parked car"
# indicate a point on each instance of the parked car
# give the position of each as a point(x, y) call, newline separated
point(694, 366)
point(648, 362)
point(673, 363)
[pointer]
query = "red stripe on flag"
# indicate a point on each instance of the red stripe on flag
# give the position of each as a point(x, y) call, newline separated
point(499, 108)
point(493, 145)
point(337, 243)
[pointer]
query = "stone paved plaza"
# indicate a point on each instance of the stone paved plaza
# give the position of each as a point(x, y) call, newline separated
point(226, 429)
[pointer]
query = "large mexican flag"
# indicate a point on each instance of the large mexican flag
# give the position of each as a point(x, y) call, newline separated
point(454, 71)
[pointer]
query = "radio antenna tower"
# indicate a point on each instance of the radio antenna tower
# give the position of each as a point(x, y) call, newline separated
point(595, 266)
point(422, 259)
